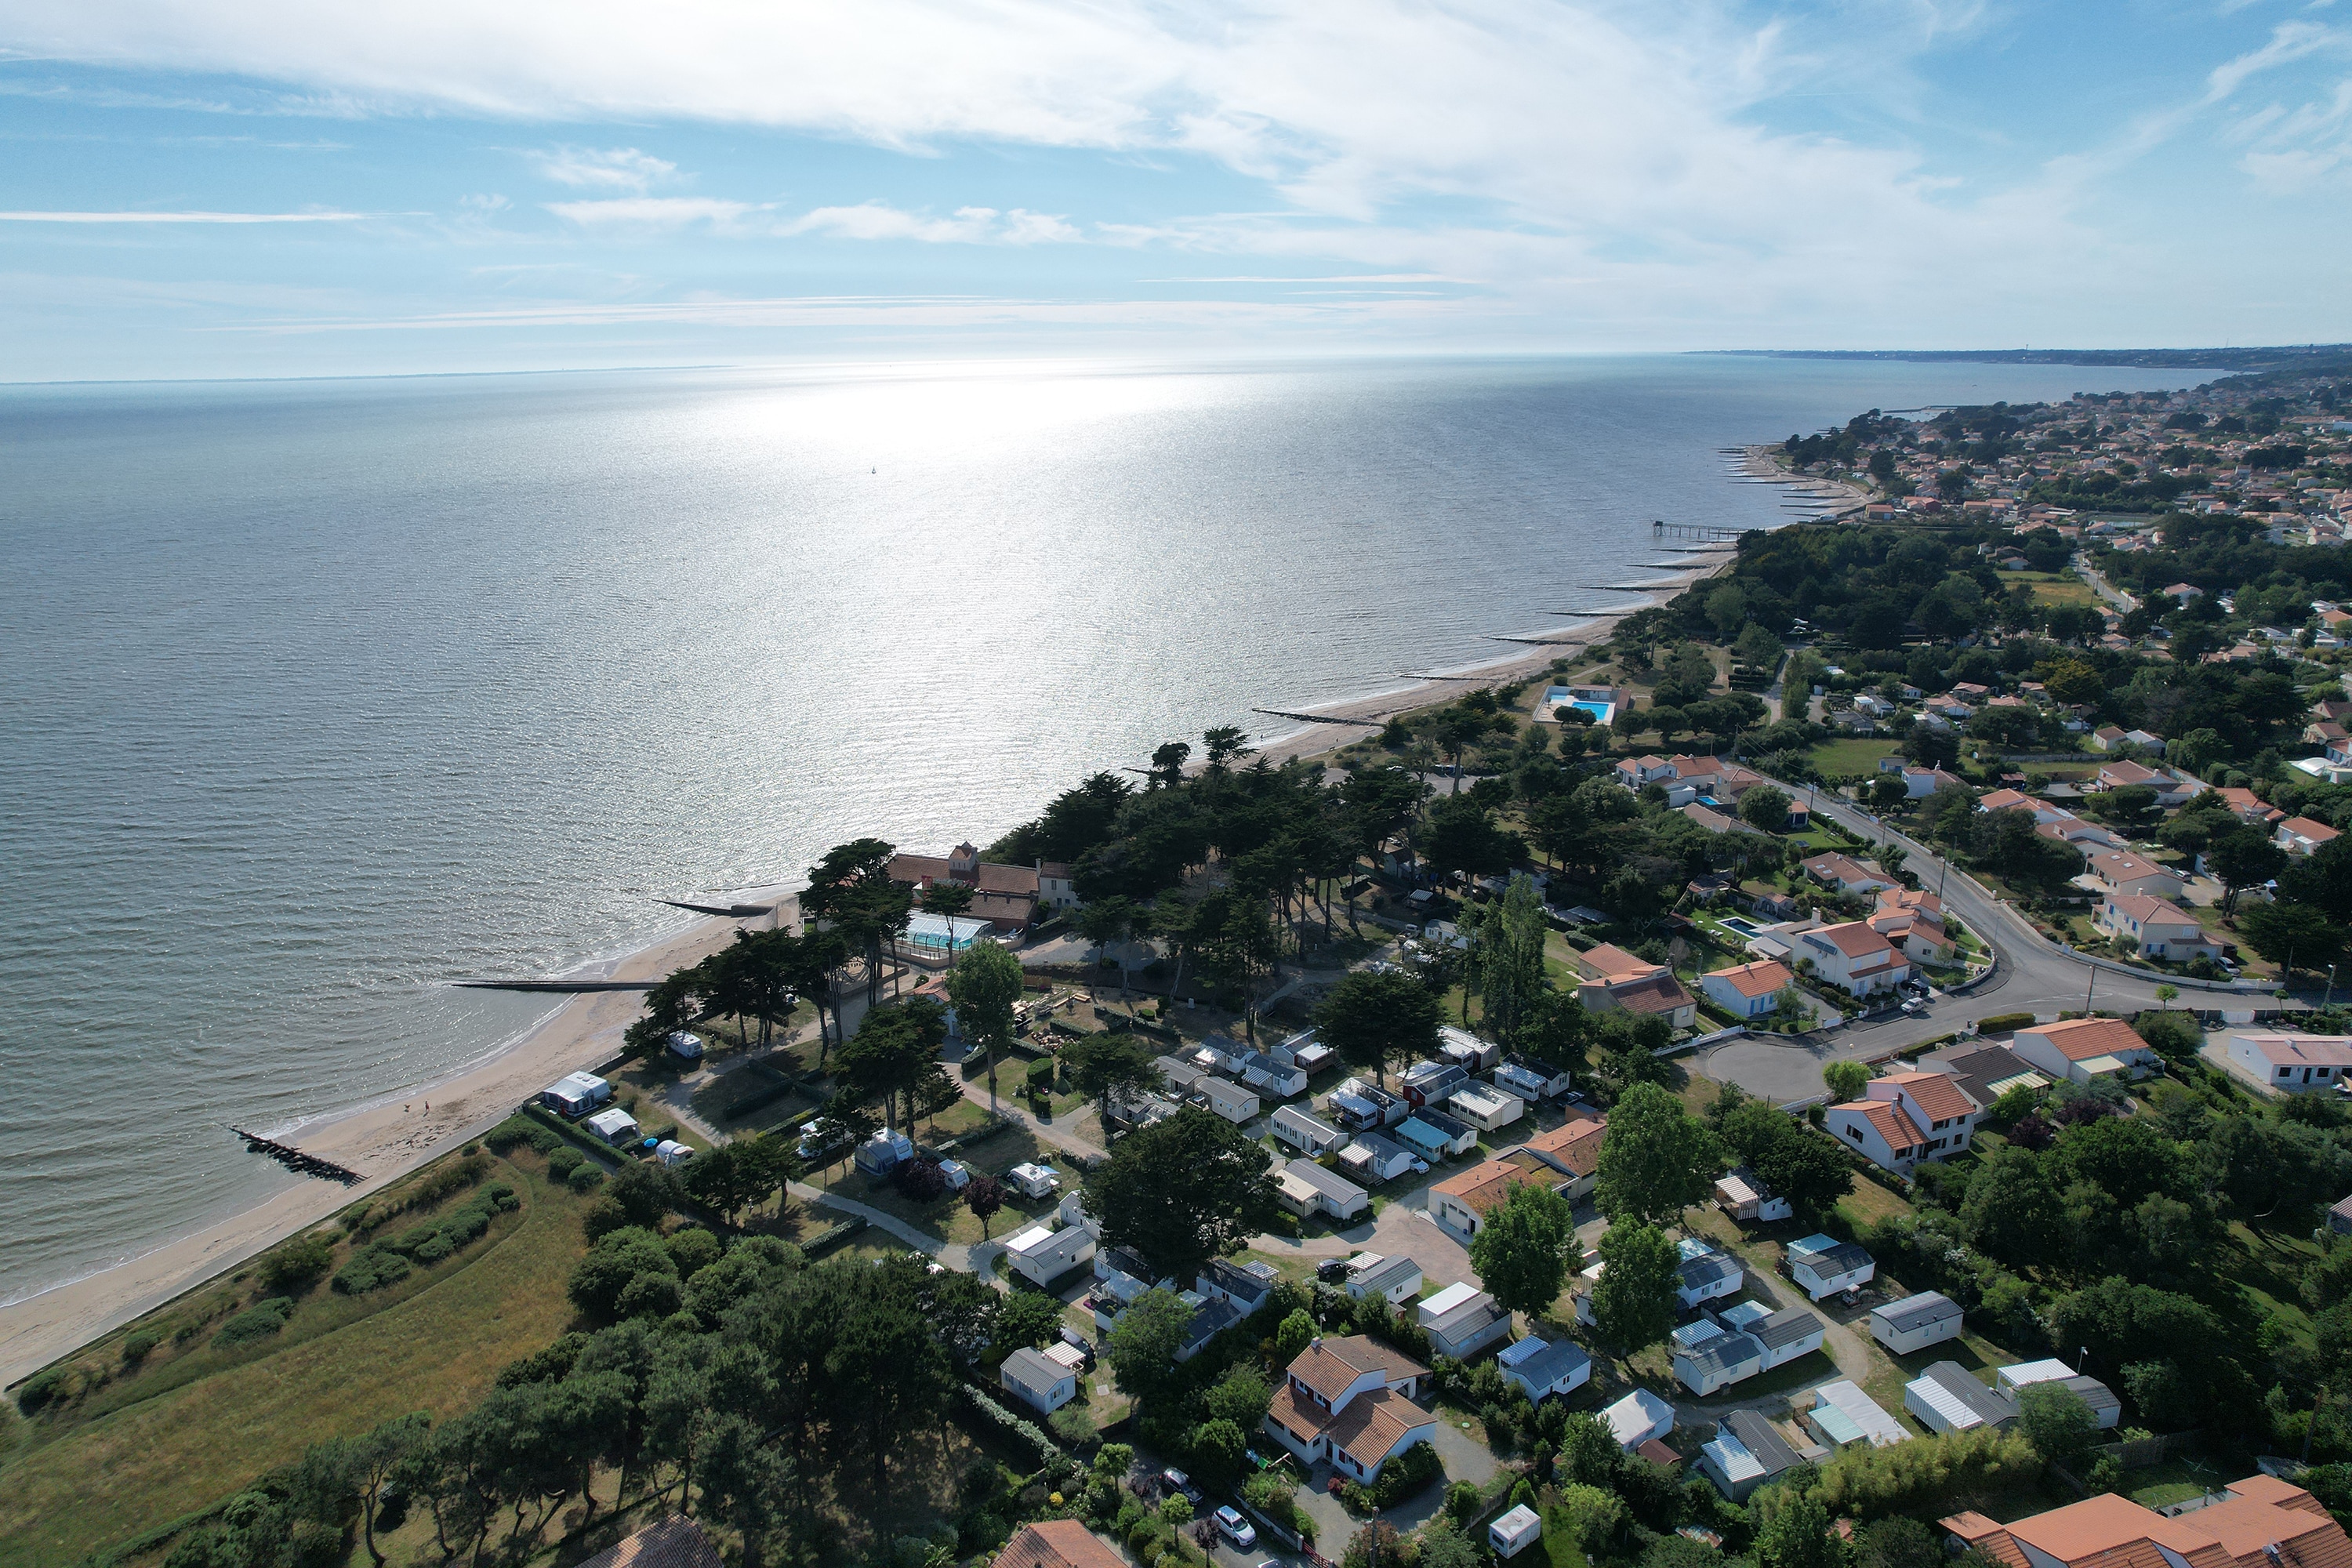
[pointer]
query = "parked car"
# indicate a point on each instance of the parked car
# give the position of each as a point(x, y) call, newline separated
point(1177, 1481)
point(1236, 1529)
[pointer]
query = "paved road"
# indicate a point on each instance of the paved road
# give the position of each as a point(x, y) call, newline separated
point(2101, 586)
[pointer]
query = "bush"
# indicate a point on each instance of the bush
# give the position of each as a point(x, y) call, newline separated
point(692, 1250)
point(139, 1346)
point(586, 1179)
point(564, 1159)
point(1928, 1475)
point(507, 1134)
point(297, 1266)
point(995, 1421)
point(42, 1389)
point(257, 1321)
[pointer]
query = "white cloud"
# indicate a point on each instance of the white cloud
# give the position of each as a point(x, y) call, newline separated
point(614, 168)
point(194, 216)
point(654, 211)
point(969, 226)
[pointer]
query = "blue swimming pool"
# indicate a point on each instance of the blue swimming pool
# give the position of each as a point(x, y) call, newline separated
point(1744, 927)
point(1558, 696)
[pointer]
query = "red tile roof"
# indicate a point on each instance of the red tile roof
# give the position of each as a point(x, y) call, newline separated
point(1939, 1094)
point(2080, 1039)
point(1753, 980)
point(1574, 1148)
point(1057, 1543)
point(1329, 1366)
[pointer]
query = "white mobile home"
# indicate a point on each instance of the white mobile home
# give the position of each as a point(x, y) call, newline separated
point(1305, 1188)
point(1531, 1079)
point(1306, 1052)
point(1947, 1399)
point(1044, 1256)
point(1309, 1134)
point(1376, 1159)
point(1515, 1531)
point(1462, 1320)
point(1916, 1323)
point(1718, 1361)
point(1279, 1079)
point(1396, 1278)
point(1039, 1381)
point(1786, 1335)
point(2106, 1409)
point(1486, 1107)
point(1743, 1196)
point(1843, 1414)
point(1229, 1099)
point(1638, 1417)
point(1359, 1106)
point(1705, 1273)
point(1822, 1266)
point(1034, 1180)
point(1543, 1367)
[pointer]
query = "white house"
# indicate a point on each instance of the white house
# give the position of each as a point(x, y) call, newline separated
point(1486, 1107)
point(1229, 1099)
point(2157, 926)
point(1853, 957)
point(1847, 874)
point(576, 1094)
point(1462, 1320)
point(1044, 1255)
point(1307, 1133)
point(1705, 1273)
point(2080, 1050)
point(2302, 836)
point(1039, 1381)
point(1350, 1402)
point(1305, 1188)
point(1916, 1323)
point(1531, 1078)
point(1750, 990)
point(1428, 1083)
point(1544, 1368)
point(1280, 1079)
point(1460, 1203)
point(1182, 1074)
point(1243, 1287)
point(1742, 1194)
point(1395, 1279)
point(1638, 1417)
point(1824, 1266)
point(1514, 1530)
point(1786, 1335)
point(1716, 1361)
point(2289, 1063)
point(1905, 1118)
point(1035, 1181)
point(2121, 871)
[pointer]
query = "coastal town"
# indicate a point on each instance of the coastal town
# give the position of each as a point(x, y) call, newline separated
point(1841, 1068)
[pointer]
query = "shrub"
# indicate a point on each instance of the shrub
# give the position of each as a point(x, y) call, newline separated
point(995, 1421)
point(257, 1321)
point(42, 1389)
point(433, 1248)
point(564, 1159)
point(354, 1219)
point(1928, 1475)
point(2002, 1023)
point(692, 1250)
point(297, 1266)
point(139, 1346)
point(507, 1134)
point(584, 1180)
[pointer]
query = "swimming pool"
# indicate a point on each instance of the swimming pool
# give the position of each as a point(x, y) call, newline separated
point(1558, 697)
point(1744, 927)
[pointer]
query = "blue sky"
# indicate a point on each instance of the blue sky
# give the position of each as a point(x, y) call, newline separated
point(286, 187)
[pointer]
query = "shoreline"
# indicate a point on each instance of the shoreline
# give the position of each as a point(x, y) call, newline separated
point(385, 1140)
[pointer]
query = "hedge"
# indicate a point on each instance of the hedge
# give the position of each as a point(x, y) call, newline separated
point(995, 1421)
point(2001, 1023)
point(831, 1236)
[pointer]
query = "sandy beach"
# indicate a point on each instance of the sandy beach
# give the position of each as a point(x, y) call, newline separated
point(386, 1141)
point(382, 1142)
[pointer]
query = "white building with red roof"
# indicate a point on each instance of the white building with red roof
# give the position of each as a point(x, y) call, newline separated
point(1749, 991)
point(2080, 1050)
point(2301, 835)
point(1350, 1402)
point(2119, 871)
point(1851, 957)
point(2288, 1063)
point(2158, 928)
point(1905, 1118)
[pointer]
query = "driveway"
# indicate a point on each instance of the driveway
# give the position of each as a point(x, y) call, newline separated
point(1464, 1457)
point(1402, 1228)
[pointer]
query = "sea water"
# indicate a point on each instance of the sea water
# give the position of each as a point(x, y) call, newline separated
point(320, 695)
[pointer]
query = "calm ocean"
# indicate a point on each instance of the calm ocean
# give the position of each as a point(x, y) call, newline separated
point(320, 694)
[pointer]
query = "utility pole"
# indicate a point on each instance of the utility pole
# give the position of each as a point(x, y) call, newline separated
point(2088, 989)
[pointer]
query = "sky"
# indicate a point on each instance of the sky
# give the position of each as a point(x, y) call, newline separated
point(294, 187)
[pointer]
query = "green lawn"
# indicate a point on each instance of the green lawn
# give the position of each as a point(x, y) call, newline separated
point(1842, 759)
point(139, 1458)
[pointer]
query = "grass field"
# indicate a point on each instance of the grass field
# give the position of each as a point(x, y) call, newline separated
point(1847, 759)
point(2054, 588)
point(138, 1459)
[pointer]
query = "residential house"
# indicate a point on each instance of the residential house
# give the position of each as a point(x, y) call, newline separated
point(2104, 1407)
point(1121, 1275)
point(1707, 816)
point(1635, 772)
point(1705, 1273)
point(2121, 871)
point(1532, 1078)
point(2182, 593)
point(1748, 991)
point(2339, 1216)
point(1652, 991)
point(1277, 1079)
point(1747, 1453)
point(1396, 1279)
point(1305, 1188)
point(2079, 1050)
point(2017, 800)
point(2288, 1063)
point(1985, 1072)
point(1948, 1397)
point(1434, 1136)
point(1916, 1323)
point(2158, 928)
point(1053, 1543)
point(1847, 874)
point(1241, 1286)
point(2302, 836)
point(1905, 1118)
point(1913, 923)
point(1485, 1107)
point(1428, 1083)
point(1039, 1381)
point(1358, 1106)
point(1543, 1368)
point(2259, 1523)
point(1350, 1402)
point(1211, 1317)
point(1918, 784)
point(1843, 1414)
point(1572, 1149)
point(1638, 1418)
point(1462, 1320)
point(1824, 1266)
point(2251, 808)
point(1786, 1335)
point(2172, 790)
point(676, 1541)
point(1716, 1361)
point(1006, 897)
point(1375, 1159)
point(1742, 1194)
point(1853, 957)
point(1306, 1133)
point(1044, 1256)
point(1606, 958)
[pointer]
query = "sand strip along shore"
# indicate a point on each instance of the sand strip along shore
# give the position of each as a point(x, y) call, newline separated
point(382, 1142)
point(385, 1141)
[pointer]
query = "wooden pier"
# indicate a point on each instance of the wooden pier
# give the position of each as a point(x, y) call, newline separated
point(1692, 530)
point(558, 986)
point(293, 1159)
